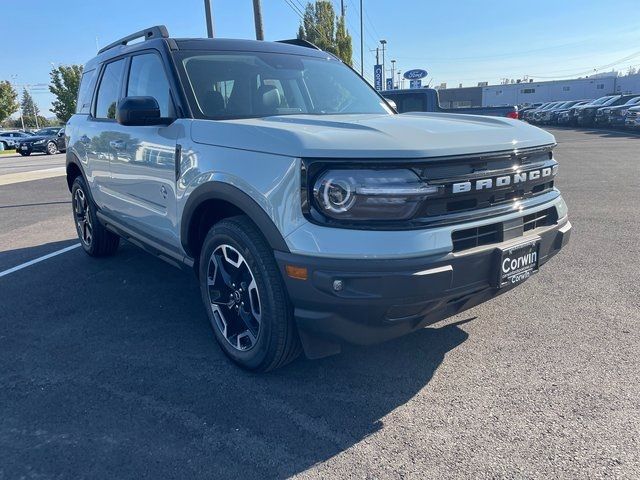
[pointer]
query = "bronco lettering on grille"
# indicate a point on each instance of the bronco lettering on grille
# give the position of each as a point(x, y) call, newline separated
point(504, 180)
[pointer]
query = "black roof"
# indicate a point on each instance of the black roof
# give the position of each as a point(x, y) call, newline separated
point(158, 35)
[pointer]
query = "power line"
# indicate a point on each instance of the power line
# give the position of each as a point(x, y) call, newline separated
point(591, 70)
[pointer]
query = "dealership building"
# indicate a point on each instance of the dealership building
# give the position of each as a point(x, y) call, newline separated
point(533, 92)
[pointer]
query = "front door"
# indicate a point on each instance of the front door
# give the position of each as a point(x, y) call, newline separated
point(142, 158)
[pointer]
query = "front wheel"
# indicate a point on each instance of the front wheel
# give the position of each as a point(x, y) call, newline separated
point(96, 240)
point(52, 148)
point(245, 297)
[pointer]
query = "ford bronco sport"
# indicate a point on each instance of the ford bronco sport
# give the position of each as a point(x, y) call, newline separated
point(312, 213)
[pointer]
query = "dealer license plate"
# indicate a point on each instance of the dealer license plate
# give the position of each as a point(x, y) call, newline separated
point(518, 263)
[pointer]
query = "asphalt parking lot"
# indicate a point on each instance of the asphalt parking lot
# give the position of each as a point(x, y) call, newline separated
point(108, 368)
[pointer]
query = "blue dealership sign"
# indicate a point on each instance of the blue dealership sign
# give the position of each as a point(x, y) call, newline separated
point(415, 74)
point(389, 84)
point(377, 77)
point(415, 83)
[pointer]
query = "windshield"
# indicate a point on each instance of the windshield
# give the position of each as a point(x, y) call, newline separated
point(633, 101)
point(47, 131)
point(254, 84)
point(601, 101)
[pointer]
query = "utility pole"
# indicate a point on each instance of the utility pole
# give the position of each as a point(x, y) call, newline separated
point(361, 42)
point(384, 72)
point(342, 12)
point(209, 18)
point(257, 17)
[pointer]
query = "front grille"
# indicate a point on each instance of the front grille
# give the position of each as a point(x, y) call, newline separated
point(476, 237)
point(498, 232)
point(633, 114)
point(543, 218)
point(446, 175)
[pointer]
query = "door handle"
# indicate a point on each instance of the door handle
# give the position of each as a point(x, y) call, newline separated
point(117, 144)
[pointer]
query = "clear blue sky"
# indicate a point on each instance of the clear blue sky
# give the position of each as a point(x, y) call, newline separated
point(463, 41)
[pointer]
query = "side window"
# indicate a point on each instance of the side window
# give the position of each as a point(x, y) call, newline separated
point(109, 90)
point(147, 79)
point(87, 85)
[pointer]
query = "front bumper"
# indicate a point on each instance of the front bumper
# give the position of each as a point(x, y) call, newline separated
point(30, 147)
point(380, 299)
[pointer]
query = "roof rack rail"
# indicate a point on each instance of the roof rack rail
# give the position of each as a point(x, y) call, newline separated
point(158, 31)
point(300, 43)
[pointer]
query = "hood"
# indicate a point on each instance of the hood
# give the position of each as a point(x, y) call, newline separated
point(408, 135)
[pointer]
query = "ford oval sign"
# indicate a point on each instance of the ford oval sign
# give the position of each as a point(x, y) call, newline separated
point(415, 74)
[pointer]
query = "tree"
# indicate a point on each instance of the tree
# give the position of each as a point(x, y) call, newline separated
point(65, 82)
point(322, 27)
point(30, 110)
point(8, 100)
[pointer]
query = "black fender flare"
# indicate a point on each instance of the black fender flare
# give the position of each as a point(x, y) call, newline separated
point(73, 159)
point(237, 198)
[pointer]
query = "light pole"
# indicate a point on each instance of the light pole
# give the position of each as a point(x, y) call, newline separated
point(393, 69)
point(384, 72)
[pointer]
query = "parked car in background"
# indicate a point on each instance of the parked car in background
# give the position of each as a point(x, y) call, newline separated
point(555, 113)
point(586, 116)
point(523, 109)
point(538, 114)
point(528, 115)
point(545, 115)
point(632, 118)
point(11, 138)
point(426, 100)
point(49, 140)
point(614, 116)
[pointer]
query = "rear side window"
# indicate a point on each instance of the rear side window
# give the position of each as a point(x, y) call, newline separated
point(148, 79)
point(85, 92)
point(109, 90)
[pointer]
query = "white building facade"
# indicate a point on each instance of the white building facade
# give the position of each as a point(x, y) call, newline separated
point(575, 89)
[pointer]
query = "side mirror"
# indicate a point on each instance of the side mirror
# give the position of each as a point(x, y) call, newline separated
point(139, 111)
point(391, 103)
point(61, 133)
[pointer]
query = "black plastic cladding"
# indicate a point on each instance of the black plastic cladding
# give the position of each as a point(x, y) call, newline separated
point(461, 167)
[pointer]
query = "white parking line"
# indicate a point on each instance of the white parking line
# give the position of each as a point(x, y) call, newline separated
point(37, 260)
point(28, 176)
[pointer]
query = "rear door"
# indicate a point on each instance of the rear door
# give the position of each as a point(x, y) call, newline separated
point(142, 158)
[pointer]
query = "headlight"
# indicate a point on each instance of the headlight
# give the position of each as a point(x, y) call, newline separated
point(361, 195)
point(623, 112)
point(40, 142)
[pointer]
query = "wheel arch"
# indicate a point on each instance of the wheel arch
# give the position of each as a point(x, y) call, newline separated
point(74, 169)
point(214, 201)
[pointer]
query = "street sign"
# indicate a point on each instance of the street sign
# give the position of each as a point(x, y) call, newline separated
point(389, 84)
point(415, 83)
point(415, 74)
point(377, 77)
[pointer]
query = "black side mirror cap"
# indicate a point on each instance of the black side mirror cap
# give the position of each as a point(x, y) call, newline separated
point(140, 111)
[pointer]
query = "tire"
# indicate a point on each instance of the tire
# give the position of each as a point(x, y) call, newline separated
point(245, 297)
point(96, 240)
point(52, 148)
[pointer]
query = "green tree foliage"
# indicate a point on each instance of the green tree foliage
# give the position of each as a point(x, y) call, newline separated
point(30, 110)
point(65, 82)
point(322, 27)
point(8, 100)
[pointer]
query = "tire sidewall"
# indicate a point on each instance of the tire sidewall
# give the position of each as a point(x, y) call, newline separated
point(55, 149)
point(257, 355)
point(79, 183)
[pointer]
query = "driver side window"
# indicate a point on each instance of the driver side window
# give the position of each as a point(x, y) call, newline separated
point(148, 79)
